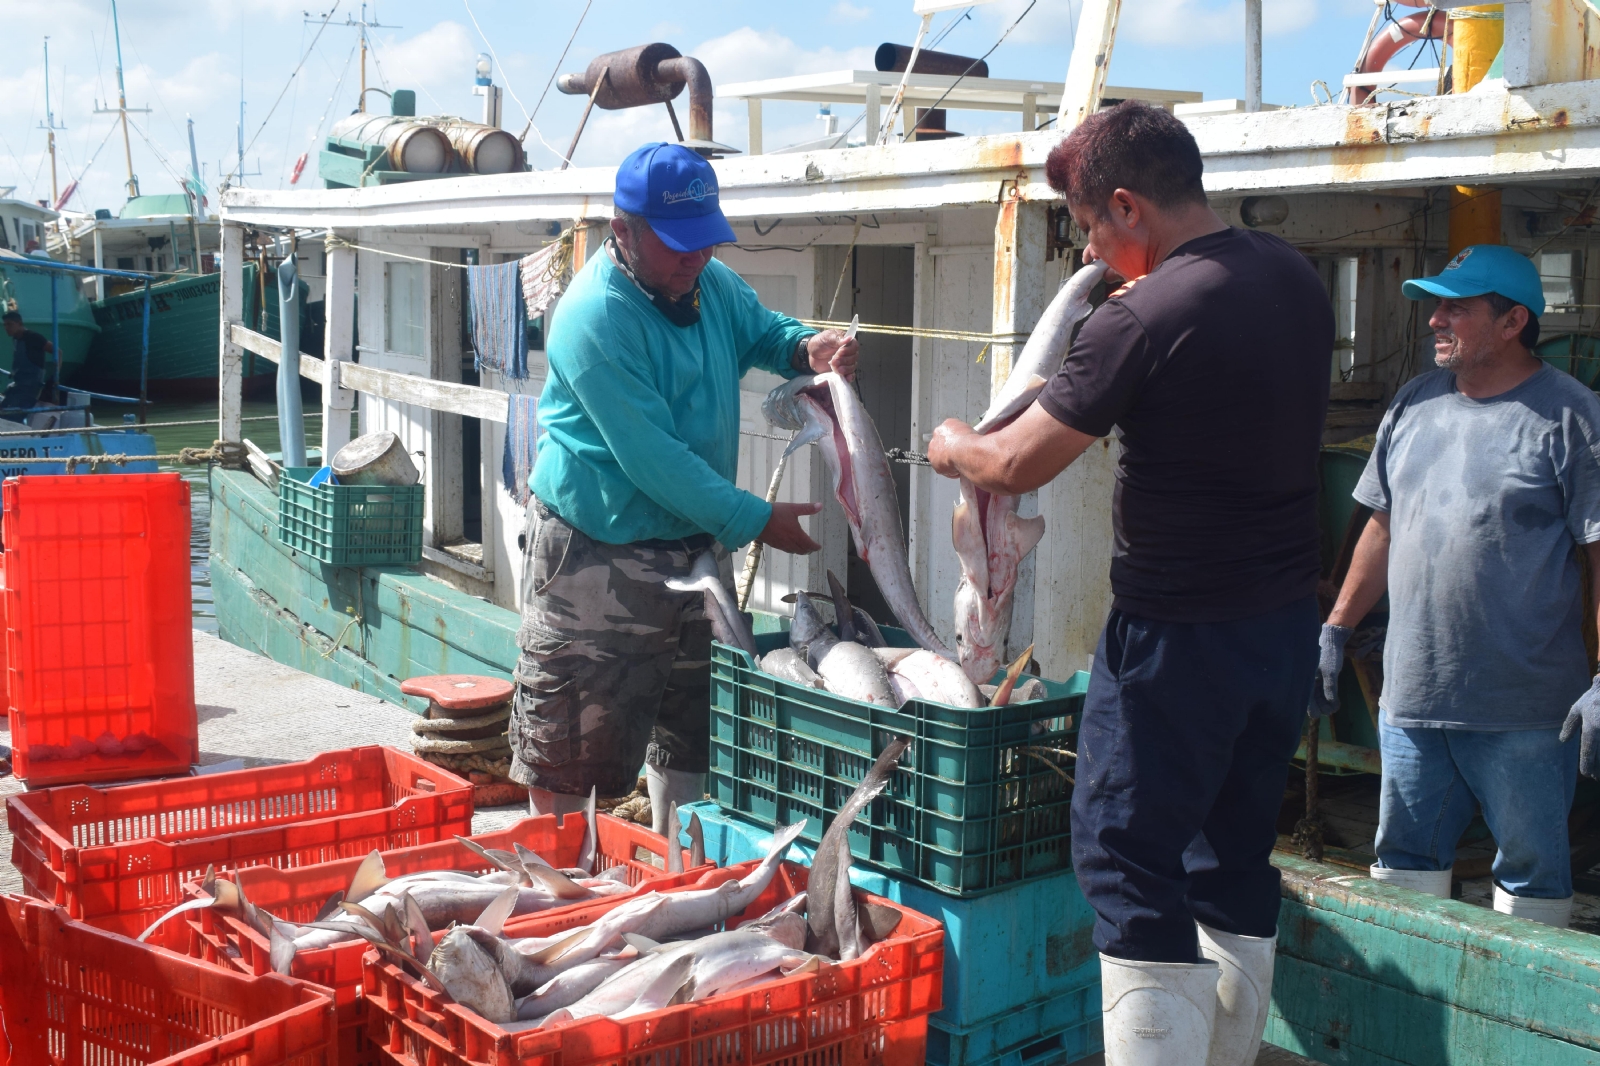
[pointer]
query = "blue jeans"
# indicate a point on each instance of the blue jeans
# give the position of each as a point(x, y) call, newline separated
point(1434, 779)
point(1188, 728)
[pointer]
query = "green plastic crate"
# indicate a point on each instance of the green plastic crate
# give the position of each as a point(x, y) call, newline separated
point(980, 802)
point(349, 525)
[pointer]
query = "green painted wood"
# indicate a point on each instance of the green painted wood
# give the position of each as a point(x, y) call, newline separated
point(1369, 973)
point(411, 624)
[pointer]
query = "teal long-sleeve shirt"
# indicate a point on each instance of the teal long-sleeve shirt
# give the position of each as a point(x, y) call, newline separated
point(639, 418)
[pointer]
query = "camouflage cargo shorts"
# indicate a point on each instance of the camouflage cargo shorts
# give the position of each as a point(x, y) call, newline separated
point(615, 667)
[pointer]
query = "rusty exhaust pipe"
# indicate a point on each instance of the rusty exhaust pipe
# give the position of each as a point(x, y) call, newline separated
point(651, 74)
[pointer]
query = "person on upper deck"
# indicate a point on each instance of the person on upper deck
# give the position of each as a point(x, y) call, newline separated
point(638, 448)
point(30, 361)
point(1484, 479)
point(1212, 364)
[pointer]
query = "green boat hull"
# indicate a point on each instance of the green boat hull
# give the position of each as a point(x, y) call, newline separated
point(30, 288)
point(184, 315)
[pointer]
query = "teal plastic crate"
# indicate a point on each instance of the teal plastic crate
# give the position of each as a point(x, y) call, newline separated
point(349, 525)
point(1020, 965)
point(980, 801)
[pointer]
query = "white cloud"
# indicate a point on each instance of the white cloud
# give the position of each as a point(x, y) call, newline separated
point(845, 11)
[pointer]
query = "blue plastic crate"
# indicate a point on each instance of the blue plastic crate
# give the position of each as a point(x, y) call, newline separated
point(1020, 965)
point(1048, 1032)
point(980, 802)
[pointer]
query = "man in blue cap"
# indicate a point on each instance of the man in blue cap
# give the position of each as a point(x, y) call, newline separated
point(1484, 478)
point(638, 448)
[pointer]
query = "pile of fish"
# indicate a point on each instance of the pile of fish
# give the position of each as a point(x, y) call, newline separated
point(656, 950)
point(990, 539)
point(519, 881)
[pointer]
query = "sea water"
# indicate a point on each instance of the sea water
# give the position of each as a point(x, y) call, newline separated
point(169, 439)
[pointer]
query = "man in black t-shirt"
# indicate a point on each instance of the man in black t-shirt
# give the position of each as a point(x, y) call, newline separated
point(29, 358)
point(1212, 363)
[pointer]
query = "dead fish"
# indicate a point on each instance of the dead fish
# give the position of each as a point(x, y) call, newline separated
point(1002, 695)
point(824, 409)
point(569, 987)
point(650, 984)
point(697, 841)
point(788, 664)
point(867, 631)
point(822, 886)
point(846, 668)
point(728, 623)
point(463, 963)
point(1045, 349)
point(589, 853)
point(916, 673)
point(990, 539)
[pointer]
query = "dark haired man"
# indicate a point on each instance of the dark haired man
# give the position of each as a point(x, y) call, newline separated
point(639, 422)
point(1212, 362)
point(30, 353)
point(1484, 477)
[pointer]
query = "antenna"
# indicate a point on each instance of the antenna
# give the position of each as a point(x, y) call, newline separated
point(49, 125)
point(363, 26)
point(122, 109)
point(240, 171)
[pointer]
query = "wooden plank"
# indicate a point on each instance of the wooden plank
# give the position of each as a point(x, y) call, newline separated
point(230, 357)
point(269, 349)
point(469, 400)
point(1091, 59)
point(338, 346)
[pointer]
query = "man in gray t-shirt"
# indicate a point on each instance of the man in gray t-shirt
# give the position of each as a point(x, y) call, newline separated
point(1483, 481)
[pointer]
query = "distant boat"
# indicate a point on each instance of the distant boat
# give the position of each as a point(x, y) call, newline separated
point(157, 234)
point(26, 289)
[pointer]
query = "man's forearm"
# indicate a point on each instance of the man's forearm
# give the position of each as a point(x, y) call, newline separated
point(1010, 461)
point(1368, 578)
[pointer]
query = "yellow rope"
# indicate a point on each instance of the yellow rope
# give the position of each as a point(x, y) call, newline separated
point(226, 453)
point(907, 331)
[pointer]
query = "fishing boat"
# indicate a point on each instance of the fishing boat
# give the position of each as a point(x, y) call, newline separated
point(41, 295)
point(955, 245)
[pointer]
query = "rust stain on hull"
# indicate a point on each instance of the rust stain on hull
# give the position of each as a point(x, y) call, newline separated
point(1007, 155)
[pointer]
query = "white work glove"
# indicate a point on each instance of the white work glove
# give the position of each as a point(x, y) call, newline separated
point(1325, 691)
point(1585, 715)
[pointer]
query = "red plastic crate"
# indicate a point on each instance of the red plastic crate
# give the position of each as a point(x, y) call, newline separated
point(872, 1011)
point(119, 857)
point(98, 638)
point(297, 895)
point(75, 994)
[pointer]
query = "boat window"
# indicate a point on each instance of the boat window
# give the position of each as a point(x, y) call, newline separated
point(4, 241)
point(405, 308)
point(1558, 270)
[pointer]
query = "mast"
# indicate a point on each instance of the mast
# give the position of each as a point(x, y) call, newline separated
point(362, 26)
point(50, 127)
point(122, 109)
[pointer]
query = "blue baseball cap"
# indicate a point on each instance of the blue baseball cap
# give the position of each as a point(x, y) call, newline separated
point(1481, 269)
point(675, 190)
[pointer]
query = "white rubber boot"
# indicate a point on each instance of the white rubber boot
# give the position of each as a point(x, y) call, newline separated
point(1157, 1013)
point(1556, 912)
point(667, 787)
point(1244, 992)
point(541, 801)
point(1433, 882)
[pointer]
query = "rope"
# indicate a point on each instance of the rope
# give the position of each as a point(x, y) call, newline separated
point(907, 331)
point(331, 241)
point(137, 426)
point(224, 453)
point(894, 455)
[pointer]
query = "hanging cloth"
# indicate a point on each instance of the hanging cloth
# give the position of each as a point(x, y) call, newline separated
point(522, 445)
point(545, 274)
point(499, 322)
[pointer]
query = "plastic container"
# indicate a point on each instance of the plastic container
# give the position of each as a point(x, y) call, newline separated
point(1023, 965)
point(119, 857)
point(349, 525)
point(980, 800)
point(99, 654)
point(867, 1012)
point(74, 994)
point(1042, 1033)
point(297, 895)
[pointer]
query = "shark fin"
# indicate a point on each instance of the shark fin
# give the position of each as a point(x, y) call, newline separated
point(528, 857)
point(420, 940)
point(494, 916)
point(697, 841)
point(368, 878)
point(674, 848)
point(558, 883)
point(282, 951)
point(191, 905)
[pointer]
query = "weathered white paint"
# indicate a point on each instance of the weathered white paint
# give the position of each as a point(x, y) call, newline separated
point(267, 348)
point(753, 106)
point(416, 391)
point(1091, 59)
point(339, 308)
point(230, 357)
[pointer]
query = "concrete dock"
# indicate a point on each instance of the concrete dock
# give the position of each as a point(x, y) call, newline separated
point(253, 709)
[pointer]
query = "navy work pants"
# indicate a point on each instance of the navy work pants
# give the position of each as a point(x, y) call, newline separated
point(1183, 754)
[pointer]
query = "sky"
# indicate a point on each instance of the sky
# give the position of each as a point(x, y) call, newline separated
point(298, 72)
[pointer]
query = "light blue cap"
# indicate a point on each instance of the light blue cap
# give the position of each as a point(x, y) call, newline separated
point(1481, 269)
